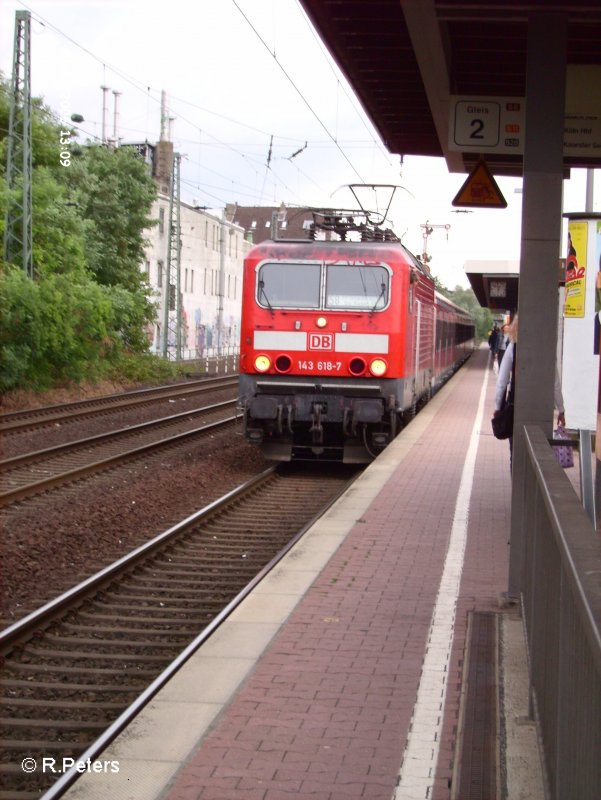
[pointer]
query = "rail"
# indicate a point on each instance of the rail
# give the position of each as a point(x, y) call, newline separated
point(561, 600)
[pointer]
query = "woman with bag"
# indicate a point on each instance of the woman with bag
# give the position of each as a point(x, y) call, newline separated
point(502, 420)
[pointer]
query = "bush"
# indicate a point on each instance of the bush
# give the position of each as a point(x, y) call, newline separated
point(53, 330)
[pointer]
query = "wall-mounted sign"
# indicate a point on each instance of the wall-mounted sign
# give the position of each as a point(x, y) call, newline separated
point(487, 125)
point(480, 190)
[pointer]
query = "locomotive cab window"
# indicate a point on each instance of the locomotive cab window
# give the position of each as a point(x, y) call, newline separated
point(356, 286)
point(284, 285)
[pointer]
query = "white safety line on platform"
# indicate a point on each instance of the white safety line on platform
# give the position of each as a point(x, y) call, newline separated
point(418, 770)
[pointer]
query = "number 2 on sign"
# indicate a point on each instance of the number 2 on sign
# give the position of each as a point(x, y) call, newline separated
point(477, 125)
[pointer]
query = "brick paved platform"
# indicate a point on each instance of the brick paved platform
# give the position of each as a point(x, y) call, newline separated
point(354, 689)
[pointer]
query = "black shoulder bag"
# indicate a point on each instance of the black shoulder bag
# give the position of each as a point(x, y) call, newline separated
point(502, 422)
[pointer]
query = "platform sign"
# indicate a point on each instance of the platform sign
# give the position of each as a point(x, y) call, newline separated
point(480, 190)
point(582, 135)
point(497, 125)
point(487, 125)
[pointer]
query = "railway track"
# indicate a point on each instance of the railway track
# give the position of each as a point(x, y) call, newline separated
point(33, 473)
point(21, 421)
point(74, 668)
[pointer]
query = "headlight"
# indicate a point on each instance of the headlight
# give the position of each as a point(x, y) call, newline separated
point(378, 367)
point(283, 363)
point(356, 366)
point(262, 363)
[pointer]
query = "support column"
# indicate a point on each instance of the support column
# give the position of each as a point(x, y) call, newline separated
point(540, 251)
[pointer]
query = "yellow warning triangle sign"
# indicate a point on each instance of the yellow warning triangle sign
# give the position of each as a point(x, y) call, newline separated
point(480, 190)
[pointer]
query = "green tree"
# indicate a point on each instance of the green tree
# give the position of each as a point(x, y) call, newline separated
point(53, 330)
point(115, 193)
point(58, 230)
point(89, 305)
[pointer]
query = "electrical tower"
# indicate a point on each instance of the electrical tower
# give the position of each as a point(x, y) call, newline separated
point(172, 311)
point(17, 229)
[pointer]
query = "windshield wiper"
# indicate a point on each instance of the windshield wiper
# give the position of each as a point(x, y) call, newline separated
point(380, 296)
point(264, 293)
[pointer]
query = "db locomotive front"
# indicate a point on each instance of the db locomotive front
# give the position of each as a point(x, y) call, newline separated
point(339, 346)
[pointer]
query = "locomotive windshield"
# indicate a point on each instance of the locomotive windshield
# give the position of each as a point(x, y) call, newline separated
point(361, 287)
point(356, 286)
point(286, 286)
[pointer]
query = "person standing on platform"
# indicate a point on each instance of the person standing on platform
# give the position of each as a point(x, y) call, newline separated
point(493, 341)
point(503, 341)
point(505, 389)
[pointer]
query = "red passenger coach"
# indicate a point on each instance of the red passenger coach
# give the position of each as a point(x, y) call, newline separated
point(340, 343)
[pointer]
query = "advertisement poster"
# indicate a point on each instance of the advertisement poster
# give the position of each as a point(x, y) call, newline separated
point(576, 269)
point(597, 338)
point(597, 332)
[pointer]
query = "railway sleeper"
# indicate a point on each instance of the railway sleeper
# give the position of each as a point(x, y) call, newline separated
point(42, 745)
point(61, 705)
point(56, 724)
point(121, 630)
point(186, 602)
point(57, 687)
point(190, 620)
point(83, 655)
point(69, 641)
point(92, 672)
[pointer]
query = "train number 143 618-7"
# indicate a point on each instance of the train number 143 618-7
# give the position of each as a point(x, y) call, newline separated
point(321, 366)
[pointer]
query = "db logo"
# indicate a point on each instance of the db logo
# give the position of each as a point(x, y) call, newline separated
point(321, 341)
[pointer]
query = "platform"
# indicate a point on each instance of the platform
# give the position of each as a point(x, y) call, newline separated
point(362, 665)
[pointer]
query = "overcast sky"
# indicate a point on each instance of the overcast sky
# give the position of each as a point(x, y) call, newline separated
point(237, 73)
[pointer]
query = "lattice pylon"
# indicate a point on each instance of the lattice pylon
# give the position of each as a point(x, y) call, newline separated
point(172, 310)
point(18, 238)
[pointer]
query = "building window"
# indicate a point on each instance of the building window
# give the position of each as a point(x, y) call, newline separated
point(191, 280)
point(161, 220)
point(186, 280)
point(159, 273)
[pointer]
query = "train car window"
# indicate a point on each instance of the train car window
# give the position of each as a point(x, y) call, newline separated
point(356, 286)
point(287, 285)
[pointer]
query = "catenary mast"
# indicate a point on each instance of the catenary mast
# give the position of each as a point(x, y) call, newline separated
point(18, 221)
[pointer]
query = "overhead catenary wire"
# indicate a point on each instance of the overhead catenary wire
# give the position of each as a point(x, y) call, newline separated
point(147, 91)
point(153, 95)
point(142, 86)
point(360, 115)
point(298, 91)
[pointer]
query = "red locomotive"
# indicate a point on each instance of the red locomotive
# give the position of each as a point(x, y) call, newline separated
point(340, 343)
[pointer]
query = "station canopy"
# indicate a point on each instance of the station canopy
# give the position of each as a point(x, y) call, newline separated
point(430, 72)
point(411, 61)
